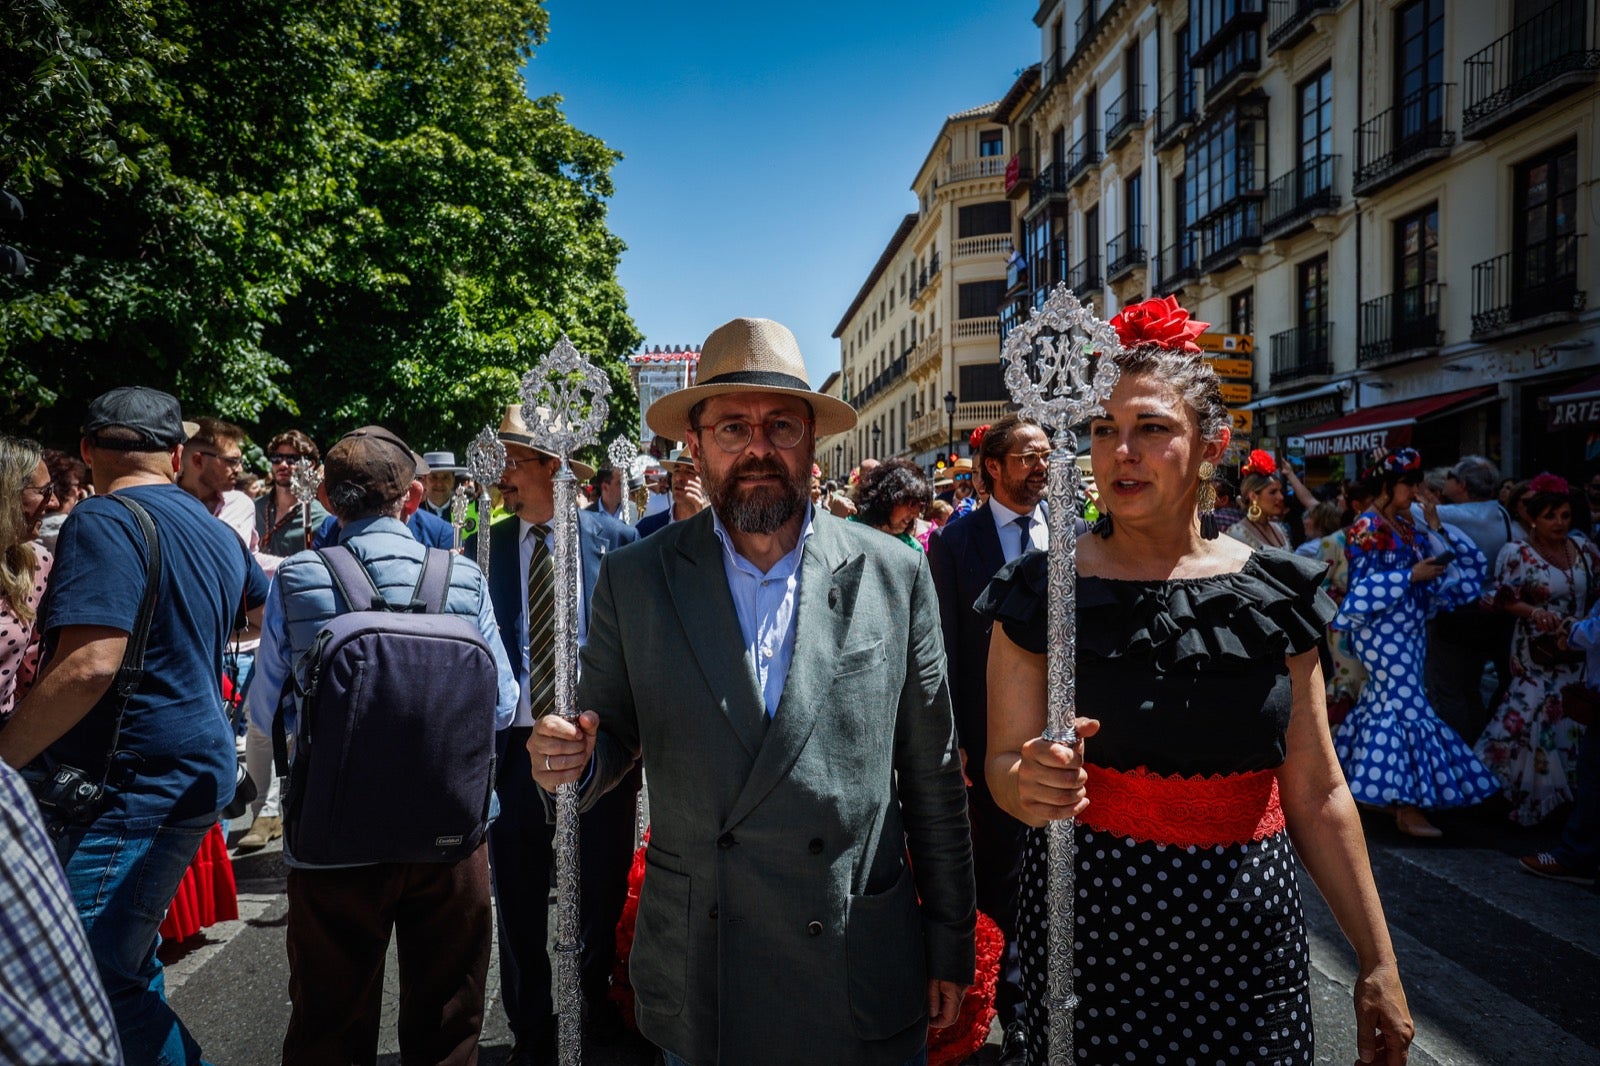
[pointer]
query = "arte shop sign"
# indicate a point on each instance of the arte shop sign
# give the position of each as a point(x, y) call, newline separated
point(1578, 413)
point(1358, 440)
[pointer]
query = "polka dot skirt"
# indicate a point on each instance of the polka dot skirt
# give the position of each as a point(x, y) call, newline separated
point(1183, 955)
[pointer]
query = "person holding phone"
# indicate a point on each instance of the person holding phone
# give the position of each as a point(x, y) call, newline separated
point(1396, 752)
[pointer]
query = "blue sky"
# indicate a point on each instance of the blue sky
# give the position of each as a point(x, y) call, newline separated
point(769, 147)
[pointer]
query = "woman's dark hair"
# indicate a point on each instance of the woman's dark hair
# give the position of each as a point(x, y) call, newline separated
point(892, 483)
point(1539, 504)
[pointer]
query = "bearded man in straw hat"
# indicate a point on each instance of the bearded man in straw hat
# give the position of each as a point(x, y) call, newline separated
point(808, 894)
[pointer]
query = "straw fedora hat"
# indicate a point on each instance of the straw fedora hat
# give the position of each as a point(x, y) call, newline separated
point(748, 355)
point(513, 430)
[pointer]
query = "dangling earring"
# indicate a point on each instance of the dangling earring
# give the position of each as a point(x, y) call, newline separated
point(1207, 501)
point(1255, 512)
point(1102, 526)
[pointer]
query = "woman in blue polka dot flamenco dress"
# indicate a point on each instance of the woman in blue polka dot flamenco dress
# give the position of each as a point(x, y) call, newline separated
point(1396, 752)
point(1205, 766)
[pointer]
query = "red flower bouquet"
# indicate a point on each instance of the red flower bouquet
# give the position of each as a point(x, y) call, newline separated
point(1158, 321)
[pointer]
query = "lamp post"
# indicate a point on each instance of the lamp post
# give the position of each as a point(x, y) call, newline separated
point(877, 435)
point(950, 410)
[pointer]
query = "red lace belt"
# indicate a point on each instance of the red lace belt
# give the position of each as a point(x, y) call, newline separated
point(1197, 811)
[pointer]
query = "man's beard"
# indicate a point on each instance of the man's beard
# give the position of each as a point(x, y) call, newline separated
point(1021, 491)
point(762, 510)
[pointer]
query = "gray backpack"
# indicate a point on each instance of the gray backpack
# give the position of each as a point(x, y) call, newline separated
point(394, 738)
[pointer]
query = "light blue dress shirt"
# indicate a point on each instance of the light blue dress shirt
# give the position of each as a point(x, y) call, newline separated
point(765, 604)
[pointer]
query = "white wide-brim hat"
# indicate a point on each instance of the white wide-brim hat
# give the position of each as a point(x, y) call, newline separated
point(748, 355)
point(513, 430)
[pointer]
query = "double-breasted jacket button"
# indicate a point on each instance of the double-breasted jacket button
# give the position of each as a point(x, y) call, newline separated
point(713, 914)
point(814, 929)
point(726, 841)
point(815, 847)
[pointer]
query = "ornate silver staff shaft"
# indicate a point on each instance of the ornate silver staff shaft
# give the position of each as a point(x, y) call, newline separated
point(458, 514)
point(563, 403)
point(303, 482)
point(1049, 374)
point(486, 461)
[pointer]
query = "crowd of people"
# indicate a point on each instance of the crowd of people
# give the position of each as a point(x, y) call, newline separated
point(833, 691)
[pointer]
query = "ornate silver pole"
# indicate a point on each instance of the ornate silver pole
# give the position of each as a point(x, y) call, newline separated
point(458, 513)
point(622, 452)
point(564, 405)
point(486, 461)
point(1049, 374)
point(303, 482)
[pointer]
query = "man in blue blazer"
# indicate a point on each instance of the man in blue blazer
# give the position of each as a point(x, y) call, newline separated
point(520, 839)
point(688, 496)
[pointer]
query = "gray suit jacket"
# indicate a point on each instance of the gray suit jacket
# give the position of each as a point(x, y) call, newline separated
point(807, 877)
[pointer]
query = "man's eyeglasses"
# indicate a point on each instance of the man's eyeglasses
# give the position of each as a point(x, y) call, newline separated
point(283, 460)
point(232, 462)
point(735, 434)
point(1030, 458)
point(44, 492)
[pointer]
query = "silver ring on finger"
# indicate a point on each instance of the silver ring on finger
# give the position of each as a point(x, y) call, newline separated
point(547, 765)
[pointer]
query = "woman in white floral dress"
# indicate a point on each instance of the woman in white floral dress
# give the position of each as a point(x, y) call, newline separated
point(1542, 580)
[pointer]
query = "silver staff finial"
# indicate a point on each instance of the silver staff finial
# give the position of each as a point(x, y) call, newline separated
point(621, 452)
point(1048, 364)
point(304, 480)
point(486, 457)
point(564, 400)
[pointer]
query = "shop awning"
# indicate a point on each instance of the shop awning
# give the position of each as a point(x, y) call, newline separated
point(1387, 425)
point(1575, 407)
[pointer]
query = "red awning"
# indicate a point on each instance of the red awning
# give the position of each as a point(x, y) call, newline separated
point(1575, 407)
point(1388, 425)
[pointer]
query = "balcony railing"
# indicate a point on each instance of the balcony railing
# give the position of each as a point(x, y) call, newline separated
point(1404, 138)
point(1125, 253)
point(878, 385)
point(928, 352)
point(1055, 65)
point(1085, 153)
point(1295, 198)
point(1544, 58)
point(1303, 352)
point(1178, 262)
point(1289, 21)
point(1399, 325)
point(979, 412)
point(1506, 298)
point(926, 277)
point(967, 328)
point(1246, 14)
point(1084, 277)
point(926, 427)
point(1229, 234)
point(1125, 115)
point(1176, 114)
point(1052, 181)
point(1085, 24)
point(966, 247)
point(989, 166)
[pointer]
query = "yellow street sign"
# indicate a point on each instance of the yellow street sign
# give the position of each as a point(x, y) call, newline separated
point(1236, 343)
point(1235, 393)
point(1233, 368)
point(1243, 422)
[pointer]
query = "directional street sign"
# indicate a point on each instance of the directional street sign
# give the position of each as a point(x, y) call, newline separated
point(1233, 343)
point(1235, 393)
point(1243, 422)
point(1233, 368)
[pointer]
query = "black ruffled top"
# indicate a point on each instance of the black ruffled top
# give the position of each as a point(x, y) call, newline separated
point(1187, 676)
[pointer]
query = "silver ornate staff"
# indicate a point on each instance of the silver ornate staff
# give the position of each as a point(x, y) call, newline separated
point(486, 461)
point(564, 405)
point(1050, 376)
point(458, 513)
point(622, 452)
point(304, 480)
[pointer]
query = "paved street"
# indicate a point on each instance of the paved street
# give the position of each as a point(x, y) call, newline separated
point(1500, 967)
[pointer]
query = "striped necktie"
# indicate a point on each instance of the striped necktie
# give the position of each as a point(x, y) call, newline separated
point(541, 625)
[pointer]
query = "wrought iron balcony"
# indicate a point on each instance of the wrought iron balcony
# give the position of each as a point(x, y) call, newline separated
point(1228, 234)
point(1085, 153)
point(1303, 352)
point(1546, 57)
point(1084, 277)
point(1055, 65)
point(1087, 20)
point(927, 276)
point(1245, 14)
point(878, 385)
point(1304, 193)
point(1519, 291)
point(1290, 21)
point(1052, 181)
point(1125, 115)
point(1125, 253)
point(1175, 114)
point(1405, 138)
point(1178, 263)
point(1400, 325)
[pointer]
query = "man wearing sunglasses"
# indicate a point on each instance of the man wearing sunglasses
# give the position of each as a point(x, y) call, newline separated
point(278, 518)
point(212, 459)
point(809, 896)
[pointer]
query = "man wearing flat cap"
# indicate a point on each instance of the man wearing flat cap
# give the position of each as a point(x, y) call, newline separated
point(808, 894)
point(341, 916)
point(164, 751)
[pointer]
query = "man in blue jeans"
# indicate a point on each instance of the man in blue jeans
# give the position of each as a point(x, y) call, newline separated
point(166, 757)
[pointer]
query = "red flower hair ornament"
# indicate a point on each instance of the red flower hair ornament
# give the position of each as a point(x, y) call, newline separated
point(976, 440)
point(1158, 321)
point(1548, 482)
point(1260, 464)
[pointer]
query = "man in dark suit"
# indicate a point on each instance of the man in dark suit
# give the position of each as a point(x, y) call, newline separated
point(520, 839)
point(809, 889)
point(963, 556)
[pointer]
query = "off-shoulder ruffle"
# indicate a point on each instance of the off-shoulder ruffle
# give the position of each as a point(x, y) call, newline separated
point(1273, 606)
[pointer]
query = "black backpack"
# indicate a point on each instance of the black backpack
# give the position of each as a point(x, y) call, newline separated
point(394, 741)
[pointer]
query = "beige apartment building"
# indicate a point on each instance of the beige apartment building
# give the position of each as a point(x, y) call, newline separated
point(919, 346)
point(1386, 201)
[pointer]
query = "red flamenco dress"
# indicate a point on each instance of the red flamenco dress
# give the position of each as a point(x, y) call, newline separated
point(1190, 941)
point(207, 894)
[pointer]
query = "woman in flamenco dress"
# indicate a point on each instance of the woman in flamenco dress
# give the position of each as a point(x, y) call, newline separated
point(1204, 764)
